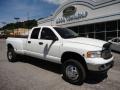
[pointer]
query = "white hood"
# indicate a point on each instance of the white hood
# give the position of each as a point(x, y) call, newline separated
point(87, 41)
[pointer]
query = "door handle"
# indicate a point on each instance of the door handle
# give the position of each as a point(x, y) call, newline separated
point(40, 43)
point(29, 41)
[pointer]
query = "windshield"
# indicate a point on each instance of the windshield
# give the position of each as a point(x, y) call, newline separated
point(66, 33)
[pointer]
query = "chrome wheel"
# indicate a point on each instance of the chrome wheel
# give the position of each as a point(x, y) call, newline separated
point(10, 55)
point(72, 72)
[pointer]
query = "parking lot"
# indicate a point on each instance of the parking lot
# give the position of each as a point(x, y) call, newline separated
point(32, 74)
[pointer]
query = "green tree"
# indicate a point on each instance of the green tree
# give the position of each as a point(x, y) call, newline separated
point(26, 24)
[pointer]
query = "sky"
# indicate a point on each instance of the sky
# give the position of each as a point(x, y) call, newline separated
point(34, 9)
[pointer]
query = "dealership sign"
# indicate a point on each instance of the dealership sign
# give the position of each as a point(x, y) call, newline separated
point(71, 18)
point(71, 10)
point(77, 16)
point(69, 14)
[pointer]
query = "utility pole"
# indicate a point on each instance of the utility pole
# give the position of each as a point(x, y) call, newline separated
point(28, 21)
point(17, 19)
point(13, 30)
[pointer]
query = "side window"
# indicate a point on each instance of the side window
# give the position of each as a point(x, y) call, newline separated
point(47, 34)
point(115, 40)
point(35, 33)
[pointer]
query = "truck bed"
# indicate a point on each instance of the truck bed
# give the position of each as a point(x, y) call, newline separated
point(19, 44)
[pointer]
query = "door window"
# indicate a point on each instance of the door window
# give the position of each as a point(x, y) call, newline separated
point(35, 33)
point(115, 40)
point(47, 34)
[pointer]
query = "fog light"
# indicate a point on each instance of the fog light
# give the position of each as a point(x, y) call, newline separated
point(102, 67)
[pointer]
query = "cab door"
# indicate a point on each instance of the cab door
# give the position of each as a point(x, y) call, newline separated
point(49, 45)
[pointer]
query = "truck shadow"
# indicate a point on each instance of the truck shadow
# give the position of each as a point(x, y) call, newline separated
point(53, 67)
point(95, 78)
point(117, 52)
point(57, 68)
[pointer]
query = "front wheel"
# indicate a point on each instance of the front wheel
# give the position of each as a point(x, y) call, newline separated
point(74, 72)
point(11, 55)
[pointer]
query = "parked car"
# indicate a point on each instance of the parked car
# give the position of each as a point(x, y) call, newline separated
point(78, 55)
point(115, 46)
point(3, 36)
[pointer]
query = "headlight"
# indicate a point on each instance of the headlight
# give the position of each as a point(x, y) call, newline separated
point(93, 54)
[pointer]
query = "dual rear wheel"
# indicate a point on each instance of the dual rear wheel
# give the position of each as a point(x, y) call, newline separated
point(11, 55)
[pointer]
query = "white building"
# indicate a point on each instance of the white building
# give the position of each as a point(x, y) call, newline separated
point(95, 19)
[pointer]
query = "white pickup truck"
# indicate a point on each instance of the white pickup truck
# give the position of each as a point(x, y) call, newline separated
point(77, 55)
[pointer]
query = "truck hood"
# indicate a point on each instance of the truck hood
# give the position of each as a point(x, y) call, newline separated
point(87, 41)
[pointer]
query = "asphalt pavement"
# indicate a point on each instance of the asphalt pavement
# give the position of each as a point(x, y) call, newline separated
point(33, 74)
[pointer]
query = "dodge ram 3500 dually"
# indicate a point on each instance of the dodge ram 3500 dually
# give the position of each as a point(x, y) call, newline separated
point(61, 45)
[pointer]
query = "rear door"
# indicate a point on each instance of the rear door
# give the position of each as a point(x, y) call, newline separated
point(32, 47)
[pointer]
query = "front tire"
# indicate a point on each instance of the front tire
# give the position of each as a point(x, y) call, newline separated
point(74, 72)
point(11, 55)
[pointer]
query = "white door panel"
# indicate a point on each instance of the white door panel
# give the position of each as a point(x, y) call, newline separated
point(50, 48)
point(32, 46)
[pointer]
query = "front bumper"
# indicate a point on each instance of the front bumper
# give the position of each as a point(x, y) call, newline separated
point(101, 65)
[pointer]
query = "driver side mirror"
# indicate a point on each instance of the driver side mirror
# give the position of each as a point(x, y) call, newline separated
point(54, 38)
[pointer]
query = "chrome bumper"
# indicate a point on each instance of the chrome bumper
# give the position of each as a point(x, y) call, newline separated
point(101, 66)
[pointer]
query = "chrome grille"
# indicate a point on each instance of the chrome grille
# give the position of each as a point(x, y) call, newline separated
point(106, 54)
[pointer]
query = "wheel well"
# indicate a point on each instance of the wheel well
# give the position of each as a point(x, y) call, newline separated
point(9, 46)
point(72, 55)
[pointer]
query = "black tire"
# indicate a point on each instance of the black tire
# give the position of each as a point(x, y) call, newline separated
point(80, 73)
point(11, 55)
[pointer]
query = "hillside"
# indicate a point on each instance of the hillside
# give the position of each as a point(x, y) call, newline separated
point(26, 24)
